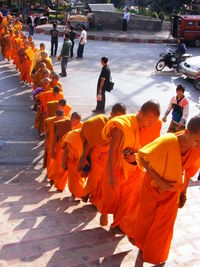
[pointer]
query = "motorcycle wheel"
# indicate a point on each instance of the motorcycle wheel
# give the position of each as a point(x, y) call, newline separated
point(197, 84)
point(160, 65)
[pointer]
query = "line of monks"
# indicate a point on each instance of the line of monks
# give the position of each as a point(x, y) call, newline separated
point(119, 163)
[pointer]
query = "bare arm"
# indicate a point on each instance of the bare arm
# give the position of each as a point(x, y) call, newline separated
point(112, 156)
point(101, 85)
point(83, 160)
point(163, 184)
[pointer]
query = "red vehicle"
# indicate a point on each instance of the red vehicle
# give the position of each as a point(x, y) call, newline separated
point(187, 27)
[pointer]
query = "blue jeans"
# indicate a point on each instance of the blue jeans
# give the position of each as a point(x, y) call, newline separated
point(31, 30)
point(80, 51)
point(64, 62)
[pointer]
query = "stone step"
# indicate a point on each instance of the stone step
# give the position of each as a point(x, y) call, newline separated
point(85, 245)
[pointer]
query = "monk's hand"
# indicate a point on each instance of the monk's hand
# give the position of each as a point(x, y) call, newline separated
point(180, 125)
point(166, 185)
point(164, 119)
point(113, 182)
point(130, 158)
point(182, 199)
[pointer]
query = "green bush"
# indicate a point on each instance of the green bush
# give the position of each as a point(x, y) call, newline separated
point(154, 15)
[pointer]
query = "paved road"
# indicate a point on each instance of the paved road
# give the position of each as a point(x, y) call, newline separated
point(133, 72)
point(36, 225)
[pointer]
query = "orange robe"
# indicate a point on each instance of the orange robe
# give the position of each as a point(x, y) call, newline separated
point(157, 211)
point(58, 84)
point(47, 61)
point(3, 43)
point(8, 52)
point(57, 173)
point(91, 131)
point(129, 192)
point(49, 96)
point(72, 141)
point(129, 127)
point(49, 133)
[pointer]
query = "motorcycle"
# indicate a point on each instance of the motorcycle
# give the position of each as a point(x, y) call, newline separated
point(169, 59)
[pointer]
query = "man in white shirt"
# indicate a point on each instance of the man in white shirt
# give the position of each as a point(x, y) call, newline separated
point(82, 42)
point(32, 22)
point(126, 18)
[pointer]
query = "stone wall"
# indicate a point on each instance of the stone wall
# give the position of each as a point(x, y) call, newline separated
point(113, 20)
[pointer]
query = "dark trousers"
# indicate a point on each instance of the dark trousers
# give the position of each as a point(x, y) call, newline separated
point(31, 30)
point(101, 104)
point(54, 43)
point(124, 25)
point(72, 49)
point(80, 50)
point(64, 62)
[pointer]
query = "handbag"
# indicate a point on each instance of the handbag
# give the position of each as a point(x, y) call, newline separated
point(110, 85)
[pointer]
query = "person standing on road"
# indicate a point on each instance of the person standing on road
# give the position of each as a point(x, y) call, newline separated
point(32, 23)
point(126, 18)
point(65, 54)
point(72, 36)
point(102, 85)
point(83, 40)
point(179, 105)
point(181, 49)
point(54, 39)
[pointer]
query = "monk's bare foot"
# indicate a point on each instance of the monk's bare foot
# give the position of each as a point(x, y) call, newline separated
point(132, 240)
point(85, 199)
point(139, 261)
point(51, 183)
point(104, 219)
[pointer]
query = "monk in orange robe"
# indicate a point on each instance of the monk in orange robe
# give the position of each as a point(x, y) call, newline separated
point(3, 41)
point(42, 73)
point(19, 44)
point(130, 190)
point(37, 57)
point(123, 133)
point(49, 134)
point(30, 55)
point(45, 59)
point(9, 45)
point(23, 61)
point(55, 81)
point(72, 149)
point(63, 105)
point(17, 25)
point(58, 174)
point(96, 149)
point(49, 96)
point(163, 189)
point(14, 45)
point(38, 102)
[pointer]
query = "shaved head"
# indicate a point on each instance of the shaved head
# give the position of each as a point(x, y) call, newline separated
point(194, 125)
point(62, 102)
point(151, 106)
point(118, 109)
point(76, 116)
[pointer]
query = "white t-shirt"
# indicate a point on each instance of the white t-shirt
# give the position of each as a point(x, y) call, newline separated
point(83, 37)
